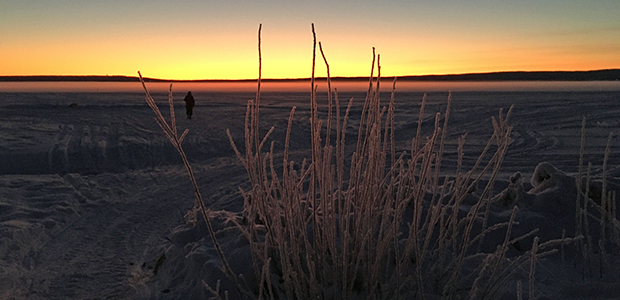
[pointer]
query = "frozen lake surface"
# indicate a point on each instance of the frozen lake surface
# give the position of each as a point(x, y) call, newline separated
point(92, 193)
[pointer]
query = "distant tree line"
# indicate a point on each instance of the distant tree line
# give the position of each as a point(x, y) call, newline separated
point(597, 75)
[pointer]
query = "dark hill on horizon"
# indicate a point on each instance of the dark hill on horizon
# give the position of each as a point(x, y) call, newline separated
point(595, 75)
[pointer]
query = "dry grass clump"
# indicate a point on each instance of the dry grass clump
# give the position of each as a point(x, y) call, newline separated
point(377, 225)
point(365, 221)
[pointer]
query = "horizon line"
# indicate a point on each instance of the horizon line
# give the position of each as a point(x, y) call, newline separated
point(610, 74)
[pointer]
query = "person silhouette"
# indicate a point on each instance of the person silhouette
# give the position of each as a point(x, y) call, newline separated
point(189, 104)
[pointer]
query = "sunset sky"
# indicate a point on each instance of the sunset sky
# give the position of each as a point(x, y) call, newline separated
point(192, 39)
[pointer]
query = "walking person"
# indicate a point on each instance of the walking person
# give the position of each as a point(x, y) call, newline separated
point(189, 104)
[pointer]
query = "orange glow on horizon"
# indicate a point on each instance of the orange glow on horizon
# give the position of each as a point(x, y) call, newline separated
point(289, 55)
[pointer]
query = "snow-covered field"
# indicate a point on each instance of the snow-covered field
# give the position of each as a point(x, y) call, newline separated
point(93, 196)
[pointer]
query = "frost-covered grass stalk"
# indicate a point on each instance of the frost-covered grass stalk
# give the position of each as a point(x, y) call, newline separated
point(170, 131)
point(595, 204)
